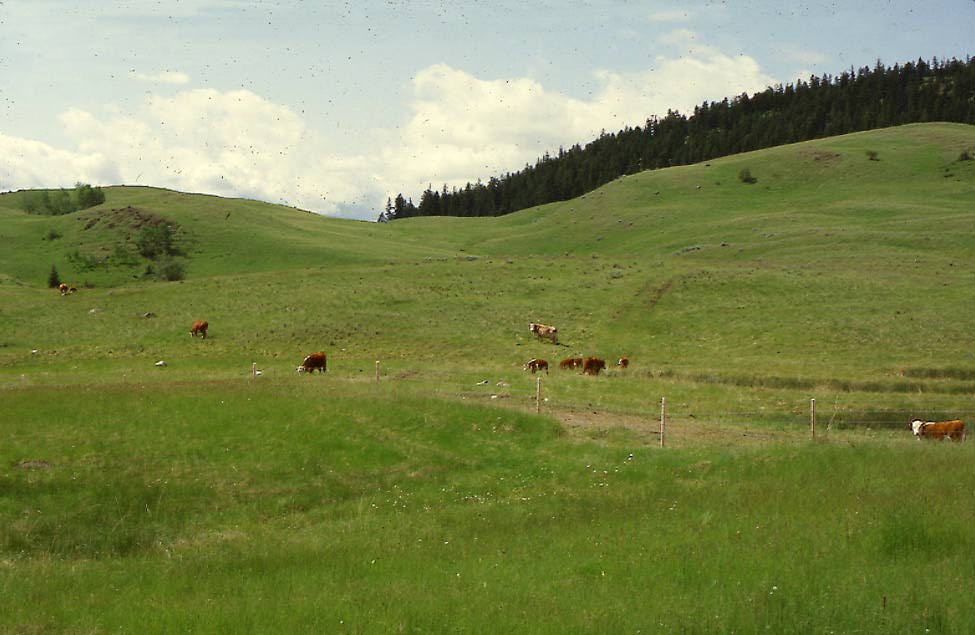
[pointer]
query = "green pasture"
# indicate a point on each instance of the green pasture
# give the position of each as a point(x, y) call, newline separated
point(282, 506)
point(196, 497)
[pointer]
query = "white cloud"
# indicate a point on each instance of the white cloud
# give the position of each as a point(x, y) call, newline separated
point(463, 127)
point(460, 128)
point(165, 77)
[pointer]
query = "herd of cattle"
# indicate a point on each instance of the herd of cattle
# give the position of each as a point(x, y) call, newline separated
point(589, 365)
point(952, 430)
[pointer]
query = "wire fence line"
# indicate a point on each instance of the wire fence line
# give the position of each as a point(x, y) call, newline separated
point(824, 417)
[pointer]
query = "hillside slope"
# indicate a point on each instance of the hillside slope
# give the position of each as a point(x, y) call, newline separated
point(214, 236)
point(831, 274)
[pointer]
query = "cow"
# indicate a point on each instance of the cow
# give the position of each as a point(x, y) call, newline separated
point(536, 364)
point(199, 327)
point(315, 361)
point(544, 332)
point(63, 288)
point(953, 430)
point(570, 362)
point(592, 366)
point(624, 362)
point(72, 289)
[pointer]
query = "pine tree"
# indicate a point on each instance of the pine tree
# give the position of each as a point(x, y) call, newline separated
point(53, 279)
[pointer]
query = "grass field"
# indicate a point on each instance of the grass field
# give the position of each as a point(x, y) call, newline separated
point(194, 497)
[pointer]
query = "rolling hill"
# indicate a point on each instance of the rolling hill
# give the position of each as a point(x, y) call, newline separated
point(195, 496)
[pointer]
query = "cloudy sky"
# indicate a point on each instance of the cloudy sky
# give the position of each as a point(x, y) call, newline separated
point(335, 106)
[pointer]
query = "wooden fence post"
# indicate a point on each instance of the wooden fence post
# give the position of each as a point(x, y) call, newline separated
point(663, 419)
point(377, 371)
point(253, 370)
point(538, 395)
point(812, 417)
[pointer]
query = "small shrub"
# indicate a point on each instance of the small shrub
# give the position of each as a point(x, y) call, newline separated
point(171, 270)
point(872, 155)
point(745, 176)
point(965, 156)
point(155, 240)
point(53, 279)
point(52, 234)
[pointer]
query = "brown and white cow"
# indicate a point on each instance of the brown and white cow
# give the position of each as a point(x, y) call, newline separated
point(953, 430)
point(199, 328)
point(315, 361)
point(624, 362)
point(545, 332)
point(570, 362)
point(63, 288)
point(536, 364)
point(593, 365)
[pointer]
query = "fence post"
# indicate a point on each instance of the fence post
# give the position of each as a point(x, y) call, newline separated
point(663, 419)
point(253, 370)
point(812, 417)
point(538, 395)
point(377, 371)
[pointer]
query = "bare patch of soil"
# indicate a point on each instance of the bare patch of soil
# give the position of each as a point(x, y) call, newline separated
point(33, 464)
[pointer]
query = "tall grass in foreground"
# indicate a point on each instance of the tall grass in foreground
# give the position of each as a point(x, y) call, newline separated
point(284, 507)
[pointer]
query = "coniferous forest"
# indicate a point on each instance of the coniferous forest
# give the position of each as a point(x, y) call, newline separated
point(824, 106)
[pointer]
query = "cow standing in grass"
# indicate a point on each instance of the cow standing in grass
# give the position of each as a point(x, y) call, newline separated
point(624, 362)
point(315, 361)
point(952, 430)
point(199, 328)
point(536, 364)
point(545, 332)
point(570, 362)
point(593, 365)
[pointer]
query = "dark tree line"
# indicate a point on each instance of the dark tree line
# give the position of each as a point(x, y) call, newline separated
point(824, 106)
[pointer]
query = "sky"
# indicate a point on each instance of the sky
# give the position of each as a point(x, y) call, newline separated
point(334, 107)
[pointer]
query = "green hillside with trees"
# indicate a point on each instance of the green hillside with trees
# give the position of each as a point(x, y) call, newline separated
point(851, 101)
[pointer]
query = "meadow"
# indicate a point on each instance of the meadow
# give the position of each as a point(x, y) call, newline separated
point(196, 497)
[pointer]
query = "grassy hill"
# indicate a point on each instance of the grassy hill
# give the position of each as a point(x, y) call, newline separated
point(437, 499)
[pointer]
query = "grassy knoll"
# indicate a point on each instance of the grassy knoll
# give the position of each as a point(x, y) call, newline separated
point(194, 497)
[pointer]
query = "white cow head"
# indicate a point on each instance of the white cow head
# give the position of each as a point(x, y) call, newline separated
point(916, 426)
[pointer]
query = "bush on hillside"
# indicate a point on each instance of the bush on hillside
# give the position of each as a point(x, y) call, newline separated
point(965, 156)
point(171, 270)
point(872, 155)
point(745, 176)
point(155, 240)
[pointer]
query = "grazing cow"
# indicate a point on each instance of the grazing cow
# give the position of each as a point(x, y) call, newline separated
point(592, 366)
point(315, 361)
point(72, 289)
point(570, 362)
point(199, 327)
point(624, 362)
point(544, 332)
point(537, 364)
point(63, 288)
point(953, 430)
